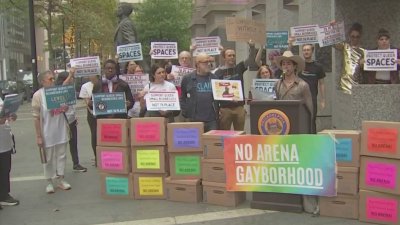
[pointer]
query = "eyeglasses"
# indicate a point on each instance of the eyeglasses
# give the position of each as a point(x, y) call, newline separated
point(51, 79)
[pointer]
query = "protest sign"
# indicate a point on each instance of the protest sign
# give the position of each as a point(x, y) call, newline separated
point(263, 89)
point(380, 60)
point(179, 72)
point(136, 82)
point(109, 103)
point(297, 164)
point(60, 95)
point(227, 90)
point(209, 45)
point(304, 34)
point(130, 52)
point(277, 40)
point(331, 34)
point(164, 101)
point(11, 104)
point(239, 29)
point(86, 66)
point(164, 50)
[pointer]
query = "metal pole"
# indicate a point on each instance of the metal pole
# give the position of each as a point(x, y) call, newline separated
point(63, 29)
point(33, 45)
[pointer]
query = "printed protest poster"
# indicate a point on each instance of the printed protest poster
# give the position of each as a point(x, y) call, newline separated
point(331, 34)
point(164, 101)
point(209, 45)
point(263, 89)
point(296, 164)
point(304, 34)
point(179, 72)
point(136, 82)
point(380, 60)
point(130, 52)
point(240, 29)
point(86, 66)
point(227, 90)
point(60, 95)
point(11, 104)
point(164, 50)
point(109, 103)
point(277, 40)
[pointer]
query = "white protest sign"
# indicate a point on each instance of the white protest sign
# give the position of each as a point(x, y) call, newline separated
point(331, 34)
point(227, 90)
point(136, 82)
point(380, 60)
point(263, 89)
point(179, 72)
point(304, 34)
point(164, 101)
point(164, 50)
point(209, 45)
point(86, 66)
point(130, 52)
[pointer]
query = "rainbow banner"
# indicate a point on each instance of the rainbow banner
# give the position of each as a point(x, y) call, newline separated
point(297, 164)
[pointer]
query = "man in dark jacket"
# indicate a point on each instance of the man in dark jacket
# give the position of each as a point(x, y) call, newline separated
point(197, 101)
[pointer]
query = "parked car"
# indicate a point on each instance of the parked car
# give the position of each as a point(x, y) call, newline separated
point(12, 87)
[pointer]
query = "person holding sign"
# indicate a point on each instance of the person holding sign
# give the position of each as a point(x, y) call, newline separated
point(158, 84)
point(384, 77)
point(51, 134)
point(6, 150)
point(197, 100)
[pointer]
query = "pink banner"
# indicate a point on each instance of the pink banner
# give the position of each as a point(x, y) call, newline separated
point(112, 160)
point(381, 175)
point(111, 133)
point(382, 209)
point(147, 131)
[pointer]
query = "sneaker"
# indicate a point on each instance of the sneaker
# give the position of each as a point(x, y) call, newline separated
point(50, 189)
point(79, 168)
point(64, 185)
point(9, 201)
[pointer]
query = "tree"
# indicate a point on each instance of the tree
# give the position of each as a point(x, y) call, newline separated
point(160, 20)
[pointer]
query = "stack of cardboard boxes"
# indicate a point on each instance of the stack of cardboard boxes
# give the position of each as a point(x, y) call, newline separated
point(345, 204)
point(213, 170)
point(185, 151)
point(113, 151)
point(380, 172)
point(149, 159)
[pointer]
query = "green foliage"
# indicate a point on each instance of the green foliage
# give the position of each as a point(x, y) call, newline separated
point(161, 20)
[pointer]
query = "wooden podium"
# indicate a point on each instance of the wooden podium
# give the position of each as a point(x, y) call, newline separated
point(279, 117)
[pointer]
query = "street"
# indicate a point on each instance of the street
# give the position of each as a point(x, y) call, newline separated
point(84, 205)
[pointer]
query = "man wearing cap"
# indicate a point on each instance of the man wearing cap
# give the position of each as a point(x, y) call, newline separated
point(290, 86)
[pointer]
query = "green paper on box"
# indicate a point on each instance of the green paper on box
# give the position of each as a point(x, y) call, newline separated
point(117, 186)
point(187, 165)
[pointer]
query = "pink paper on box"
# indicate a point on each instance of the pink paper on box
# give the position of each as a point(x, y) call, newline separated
point(111, 160)
point(381, 175)
point(147, 132)
point(382, 209)
point(111, 133)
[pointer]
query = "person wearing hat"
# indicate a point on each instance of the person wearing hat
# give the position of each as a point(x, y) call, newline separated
point(290, 86)
point(383, 77)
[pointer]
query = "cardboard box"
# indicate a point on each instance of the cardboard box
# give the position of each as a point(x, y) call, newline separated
point(213, 170)
point(347, 146)
point(216, 193)
point(185, 137)
point(184, 190)
point(185, 165)
point(347, 180)
point(342, 206)
point(379, 208)
point(148, 159)
point(113, 132)
point(149, 186)
point(380, 174)
point(148, 131)
point(380, 139)
point(213, 142)
point(113, 186)
point(114, 160)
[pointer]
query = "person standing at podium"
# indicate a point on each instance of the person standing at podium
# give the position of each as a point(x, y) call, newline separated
point(290, 86)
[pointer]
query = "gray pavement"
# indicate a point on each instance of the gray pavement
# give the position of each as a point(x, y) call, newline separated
point(84, 205)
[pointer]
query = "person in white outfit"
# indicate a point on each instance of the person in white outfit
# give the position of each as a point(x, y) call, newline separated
point(51, 134)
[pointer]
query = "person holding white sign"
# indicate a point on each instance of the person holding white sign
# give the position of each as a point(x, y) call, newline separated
point(384, 77)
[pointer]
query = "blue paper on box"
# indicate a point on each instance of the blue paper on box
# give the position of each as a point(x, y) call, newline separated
point(186, 138)
point(344, 151)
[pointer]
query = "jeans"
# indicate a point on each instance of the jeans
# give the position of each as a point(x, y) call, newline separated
point(93, 130)
point(73, 142)
point(5, 168)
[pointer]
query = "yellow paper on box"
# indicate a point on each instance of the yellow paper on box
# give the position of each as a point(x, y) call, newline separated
point(151, 186)
point(148, 159)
